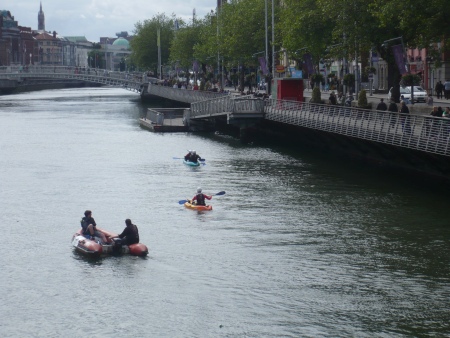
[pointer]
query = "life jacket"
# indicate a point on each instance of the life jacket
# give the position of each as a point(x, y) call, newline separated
point(200, 199)
point(84, 224)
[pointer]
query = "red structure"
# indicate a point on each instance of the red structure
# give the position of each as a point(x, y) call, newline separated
point(288, 89)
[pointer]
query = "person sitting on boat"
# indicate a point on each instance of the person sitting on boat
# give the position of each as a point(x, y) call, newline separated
point(199, 198)
point(89, 227)
point(130, 235)
point(195, 157)
point(192, 156)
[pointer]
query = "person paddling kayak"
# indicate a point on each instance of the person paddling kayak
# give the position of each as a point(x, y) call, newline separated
point(192, 156)
point(199, 198)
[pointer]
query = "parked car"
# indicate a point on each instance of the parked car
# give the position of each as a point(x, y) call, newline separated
point(420, 95)
point(405, 91)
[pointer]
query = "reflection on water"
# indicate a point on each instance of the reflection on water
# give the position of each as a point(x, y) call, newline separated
point(300, 244)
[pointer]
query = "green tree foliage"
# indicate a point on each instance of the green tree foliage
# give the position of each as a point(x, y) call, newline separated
point(96, 58)
point(316, 97)
point(303, 24)
point(183, 44)
point(362, 99)
point(144, 44)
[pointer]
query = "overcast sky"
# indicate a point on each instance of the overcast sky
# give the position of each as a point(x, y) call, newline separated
point(96, 18)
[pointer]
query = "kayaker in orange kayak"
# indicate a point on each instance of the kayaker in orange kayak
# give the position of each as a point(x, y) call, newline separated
point(199, 198)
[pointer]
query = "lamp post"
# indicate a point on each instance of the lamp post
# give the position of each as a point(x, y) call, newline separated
point(30, 59)
point(106, 53)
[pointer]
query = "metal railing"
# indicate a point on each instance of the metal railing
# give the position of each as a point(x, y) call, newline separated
point(182, 95)
point(227, 104)
point(127, 81)
point(425, 133)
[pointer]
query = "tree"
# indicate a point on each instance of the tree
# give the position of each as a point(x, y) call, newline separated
point(144, 48)
point(303, 25)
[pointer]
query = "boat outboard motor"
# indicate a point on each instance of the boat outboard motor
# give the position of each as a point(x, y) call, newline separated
point(117, 246)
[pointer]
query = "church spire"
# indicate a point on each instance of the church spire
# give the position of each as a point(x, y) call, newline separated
point(41, 19)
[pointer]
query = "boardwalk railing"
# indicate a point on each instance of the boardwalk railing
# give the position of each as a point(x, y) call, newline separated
point(127, 81)
point(182, 95)
point(227, 104)
point(425, 133)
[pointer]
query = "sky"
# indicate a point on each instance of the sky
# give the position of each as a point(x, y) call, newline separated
point(100, 18)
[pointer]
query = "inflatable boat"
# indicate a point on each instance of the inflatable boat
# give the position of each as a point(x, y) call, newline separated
point(94, 248)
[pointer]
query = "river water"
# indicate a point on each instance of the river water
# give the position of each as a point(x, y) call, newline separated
point(299, 246)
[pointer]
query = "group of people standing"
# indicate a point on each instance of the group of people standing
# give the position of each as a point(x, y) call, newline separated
point(442, 88)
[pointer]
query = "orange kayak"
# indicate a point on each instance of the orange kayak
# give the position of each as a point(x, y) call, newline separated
point(197, 207)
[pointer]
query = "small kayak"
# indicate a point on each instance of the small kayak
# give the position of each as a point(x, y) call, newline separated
point(197, 207)
point(192, 164)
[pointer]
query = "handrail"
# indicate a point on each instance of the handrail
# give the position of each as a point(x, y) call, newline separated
point(419, 132)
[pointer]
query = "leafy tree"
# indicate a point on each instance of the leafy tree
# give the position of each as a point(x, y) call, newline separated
point(144, 45)
point(96, 58)
point(316, 97)
point(303, 25)
point(183, 44)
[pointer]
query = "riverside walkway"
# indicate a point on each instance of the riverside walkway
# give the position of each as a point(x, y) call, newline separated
point(414, 131)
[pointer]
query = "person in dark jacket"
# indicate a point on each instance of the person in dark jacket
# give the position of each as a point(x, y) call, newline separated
point(382, 106)
point(405, 118)
point(192, 156)
point(199, 198)
point(90, 227)
point(130, 235)
point(393, 109)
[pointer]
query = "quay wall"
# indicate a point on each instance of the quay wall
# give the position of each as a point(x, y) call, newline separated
point(401, 160)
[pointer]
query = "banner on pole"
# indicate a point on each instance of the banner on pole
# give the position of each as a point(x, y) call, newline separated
point(195, 66)
point(158, 39)
point(307, 58)
point(398, 52)
point(263, 64)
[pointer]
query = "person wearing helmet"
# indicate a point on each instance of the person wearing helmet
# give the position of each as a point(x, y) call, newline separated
point(192, 156)
point(199, 198)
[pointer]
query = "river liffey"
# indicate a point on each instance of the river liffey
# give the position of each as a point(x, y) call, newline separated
point(299, 246)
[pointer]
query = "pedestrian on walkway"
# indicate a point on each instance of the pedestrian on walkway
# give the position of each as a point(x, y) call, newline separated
point(404, 110)
point(430, 100)
point(393, 109)
point(382, 106)
point(447, 89)
point(439, 88)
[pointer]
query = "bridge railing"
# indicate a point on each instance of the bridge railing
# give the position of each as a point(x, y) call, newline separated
point(227, 104)
point(182, 95)
point(426, 133)
point(118, 79)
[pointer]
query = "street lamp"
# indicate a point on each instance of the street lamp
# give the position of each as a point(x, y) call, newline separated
point(30, 59)
point(106, 53)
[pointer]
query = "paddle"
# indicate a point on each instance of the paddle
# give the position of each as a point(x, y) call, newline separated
point(218, 194)
point(182, 158)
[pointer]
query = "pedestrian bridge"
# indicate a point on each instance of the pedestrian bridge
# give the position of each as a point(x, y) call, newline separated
point(423, 133)
point(16, 76)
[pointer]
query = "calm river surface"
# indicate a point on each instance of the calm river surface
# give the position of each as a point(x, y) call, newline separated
point(299, 246)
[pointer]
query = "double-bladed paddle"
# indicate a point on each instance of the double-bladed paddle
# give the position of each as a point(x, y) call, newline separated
point(218, 194)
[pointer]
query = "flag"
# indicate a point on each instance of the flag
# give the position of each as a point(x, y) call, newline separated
point(176, 26)
point(308, 62)
point(263, 64)
point(158, 39)
point(399, 57)
point(195, 66)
